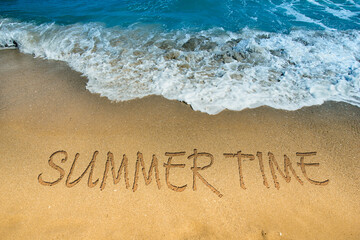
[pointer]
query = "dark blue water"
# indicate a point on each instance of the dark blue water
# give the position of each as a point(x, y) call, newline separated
point(212, 54)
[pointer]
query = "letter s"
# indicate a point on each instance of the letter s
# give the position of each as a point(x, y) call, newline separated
point(56, 167)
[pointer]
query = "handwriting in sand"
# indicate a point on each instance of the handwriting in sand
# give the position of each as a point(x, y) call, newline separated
point(195, 170)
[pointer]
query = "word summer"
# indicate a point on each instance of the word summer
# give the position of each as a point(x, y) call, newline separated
point(195, 170)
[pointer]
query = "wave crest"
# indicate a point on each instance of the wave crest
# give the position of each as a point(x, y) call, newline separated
point(211, 70)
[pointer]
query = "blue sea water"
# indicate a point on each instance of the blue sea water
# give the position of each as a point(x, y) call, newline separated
point(212, 54)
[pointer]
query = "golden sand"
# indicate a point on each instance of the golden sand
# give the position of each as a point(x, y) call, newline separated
point(206, 177)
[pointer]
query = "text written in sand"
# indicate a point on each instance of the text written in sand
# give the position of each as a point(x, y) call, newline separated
point(168, 165)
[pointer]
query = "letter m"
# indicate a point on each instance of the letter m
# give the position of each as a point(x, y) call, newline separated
point(147, 177)
point(116, 177)
point(285, 174)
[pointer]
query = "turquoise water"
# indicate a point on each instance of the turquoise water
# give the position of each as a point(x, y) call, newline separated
point(211, 54)
point(199, 14)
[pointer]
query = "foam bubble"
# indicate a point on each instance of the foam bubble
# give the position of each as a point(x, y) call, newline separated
point(211, 70)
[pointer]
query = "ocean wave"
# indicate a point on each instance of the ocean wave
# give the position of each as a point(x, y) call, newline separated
point(211, 70)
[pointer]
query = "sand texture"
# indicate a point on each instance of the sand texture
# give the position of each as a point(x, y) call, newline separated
point(256, 174)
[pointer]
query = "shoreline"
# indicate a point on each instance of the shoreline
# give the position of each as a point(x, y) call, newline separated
point(45, 108)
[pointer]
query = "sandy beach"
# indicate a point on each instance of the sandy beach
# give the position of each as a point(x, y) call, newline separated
point(213, 176)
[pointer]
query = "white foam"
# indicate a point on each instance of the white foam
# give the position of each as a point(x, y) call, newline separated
point(302, 17)
point(211, 70)
point(314, 2)
point(342, 13)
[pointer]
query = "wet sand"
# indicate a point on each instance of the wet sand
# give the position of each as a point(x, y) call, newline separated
point(45, 108)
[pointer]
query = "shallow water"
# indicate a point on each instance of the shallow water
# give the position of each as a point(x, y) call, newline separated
point(211, 54)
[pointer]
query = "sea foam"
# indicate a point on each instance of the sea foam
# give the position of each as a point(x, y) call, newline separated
point(211, 70)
